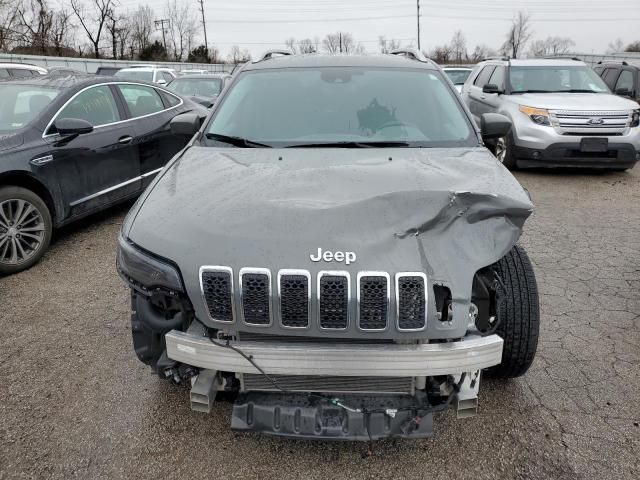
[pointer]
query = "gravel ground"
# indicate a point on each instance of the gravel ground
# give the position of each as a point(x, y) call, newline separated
point(76, 403)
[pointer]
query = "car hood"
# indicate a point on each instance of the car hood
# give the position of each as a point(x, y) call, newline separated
point(445, 212)
point(574, 101)
point(9, 141)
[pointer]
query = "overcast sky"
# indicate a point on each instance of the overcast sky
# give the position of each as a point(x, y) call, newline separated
point(259, 25)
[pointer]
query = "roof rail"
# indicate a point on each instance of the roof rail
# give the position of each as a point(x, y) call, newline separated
point(411, 53)
point(504, 58)
point(269, 54)
point(562, 57)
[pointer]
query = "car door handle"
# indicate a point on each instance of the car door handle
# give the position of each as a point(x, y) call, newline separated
point(125, 140)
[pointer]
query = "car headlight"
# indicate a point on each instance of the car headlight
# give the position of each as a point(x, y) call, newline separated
point(635, 118)
point(144, 272)
point(537, 115)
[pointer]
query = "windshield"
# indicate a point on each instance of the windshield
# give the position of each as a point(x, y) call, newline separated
point(21, 104)
point(203, 87)
point(550, 79)
point(145, 75)
point(341, 105)
point(458, 77)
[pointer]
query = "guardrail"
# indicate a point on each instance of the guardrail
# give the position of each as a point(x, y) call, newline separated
point(90, 65)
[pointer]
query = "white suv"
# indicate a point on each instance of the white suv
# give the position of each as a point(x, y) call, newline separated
point(161, 76)
point(563, 114)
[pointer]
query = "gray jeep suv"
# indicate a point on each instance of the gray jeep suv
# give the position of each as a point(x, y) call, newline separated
point(562, 112)
point(336, 248)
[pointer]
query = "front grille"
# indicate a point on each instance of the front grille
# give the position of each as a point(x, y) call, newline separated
point(217, 289)
point(333, 384)
point(256, 297)
point(373, 301)
point(294, 300)
point(592, 123)
point(412, 301)
point(334, 301)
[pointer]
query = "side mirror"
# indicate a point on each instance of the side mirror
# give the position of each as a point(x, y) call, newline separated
point(494, 125)
point(72, 126)
point(491, 88)
point(623, 92)
point(186, 124)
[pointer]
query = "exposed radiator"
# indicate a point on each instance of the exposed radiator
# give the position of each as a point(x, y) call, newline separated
point(305, 383)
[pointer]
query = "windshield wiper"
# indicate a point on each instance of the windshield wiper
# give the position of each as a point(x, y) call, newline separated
point(534, 91)
point(236, 141)
point(580, 90)
point(350, 145)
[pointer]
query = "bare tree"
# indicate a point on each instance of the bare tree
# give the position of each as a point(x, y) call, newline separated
point(518, 35)
point(387, 46)
point(93, 22)
point(341, 42)
point(441, 54)
point(481, 52)
point(8, 24)
point(550, 46)
point(36, 20)
point(633, 47)
point(141, 26)
point(306, 45)
point(291, 44)
point(238, 56)
point(182, 29)
point(616, 46)
point(124, 35)
point(61, 31)
point(459, 47)
point(115, 23)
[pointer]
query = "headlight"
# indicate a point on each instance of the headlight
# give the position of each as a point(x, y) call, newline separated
point(537, 115)
point(635, 118)
point(145, 272)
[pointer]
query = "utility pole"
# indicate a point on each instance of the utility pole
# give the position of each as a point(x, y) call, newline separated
point(340, 37)
point(418, 18)
point(204, 27)
point(160, 24)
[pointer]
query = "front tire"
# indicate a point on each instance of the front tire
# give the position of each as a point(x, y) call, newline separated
point(25, 229)
point(518, 314)
point(504, 151)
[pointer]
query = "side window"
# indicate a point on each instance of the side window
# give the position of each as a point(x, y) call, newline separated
point(96, 105)
point(170, 100)
point(141, 100)
point(625, 80)
point(610, 76)
point(4, 73)
point(598, 70)
point(167, 76)
point(485, 74)
point(20, 73)
point(497, 77)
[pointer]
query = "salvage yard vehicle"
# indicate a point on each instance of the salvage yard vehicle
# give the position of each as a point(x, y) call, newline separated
point(202, 88)
point(623, 78)
point(10, 71)
point(70, 146)
point(562, 112)
point(337, 248)
point(457, 75)
point(159, 75)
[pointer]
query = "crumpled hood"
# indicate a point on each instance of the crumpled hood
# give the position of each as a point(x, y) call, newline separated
point(445, 212)
point(574, 101)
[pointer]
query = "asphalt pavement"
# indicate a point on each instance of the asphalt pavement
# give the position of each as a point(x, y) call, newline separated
point(76, 403)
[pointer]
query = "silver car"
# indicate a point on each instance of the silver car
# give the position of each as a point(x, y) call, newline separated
point(563, 114)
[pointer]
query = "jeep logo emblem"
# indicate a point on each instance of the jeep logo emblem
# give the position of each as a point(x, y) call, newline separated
point(595, 121)
point(329, 256)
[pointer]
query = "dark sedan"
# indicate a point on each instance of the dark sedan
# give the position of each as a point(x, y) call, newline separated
point(72, 146)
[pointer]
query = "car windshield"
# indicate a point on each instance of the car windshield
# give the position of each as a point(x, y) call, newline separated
point(21, 104)
point(135, 74)
point(341, 106)
point(203, 87)
point(552, 79)
point(458, 77)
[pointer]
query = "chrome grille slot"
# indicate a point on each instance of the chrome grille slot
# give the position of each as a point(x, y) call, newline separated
point(333, 293)
point(333, 384)
point(216, 285)
point(373, 300)
point(255, 296)
point(411, 300)
point(605, 123)
point(294, 292)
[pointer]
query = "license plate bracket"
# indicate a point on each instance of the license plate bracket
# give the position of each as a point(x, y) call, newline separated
point(594, 145)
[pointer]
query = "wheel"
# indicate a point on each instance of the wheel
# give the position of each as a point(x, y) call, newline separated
point(504, 150)
point(518, 314)
point(25, 229)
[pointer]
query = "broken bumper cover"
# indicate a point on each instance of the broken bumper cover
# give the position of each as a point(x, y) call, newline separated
point(471, 353)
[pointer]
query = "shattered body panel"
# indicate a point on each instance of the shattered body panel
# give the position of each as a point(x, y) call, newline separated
point(444, 212)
